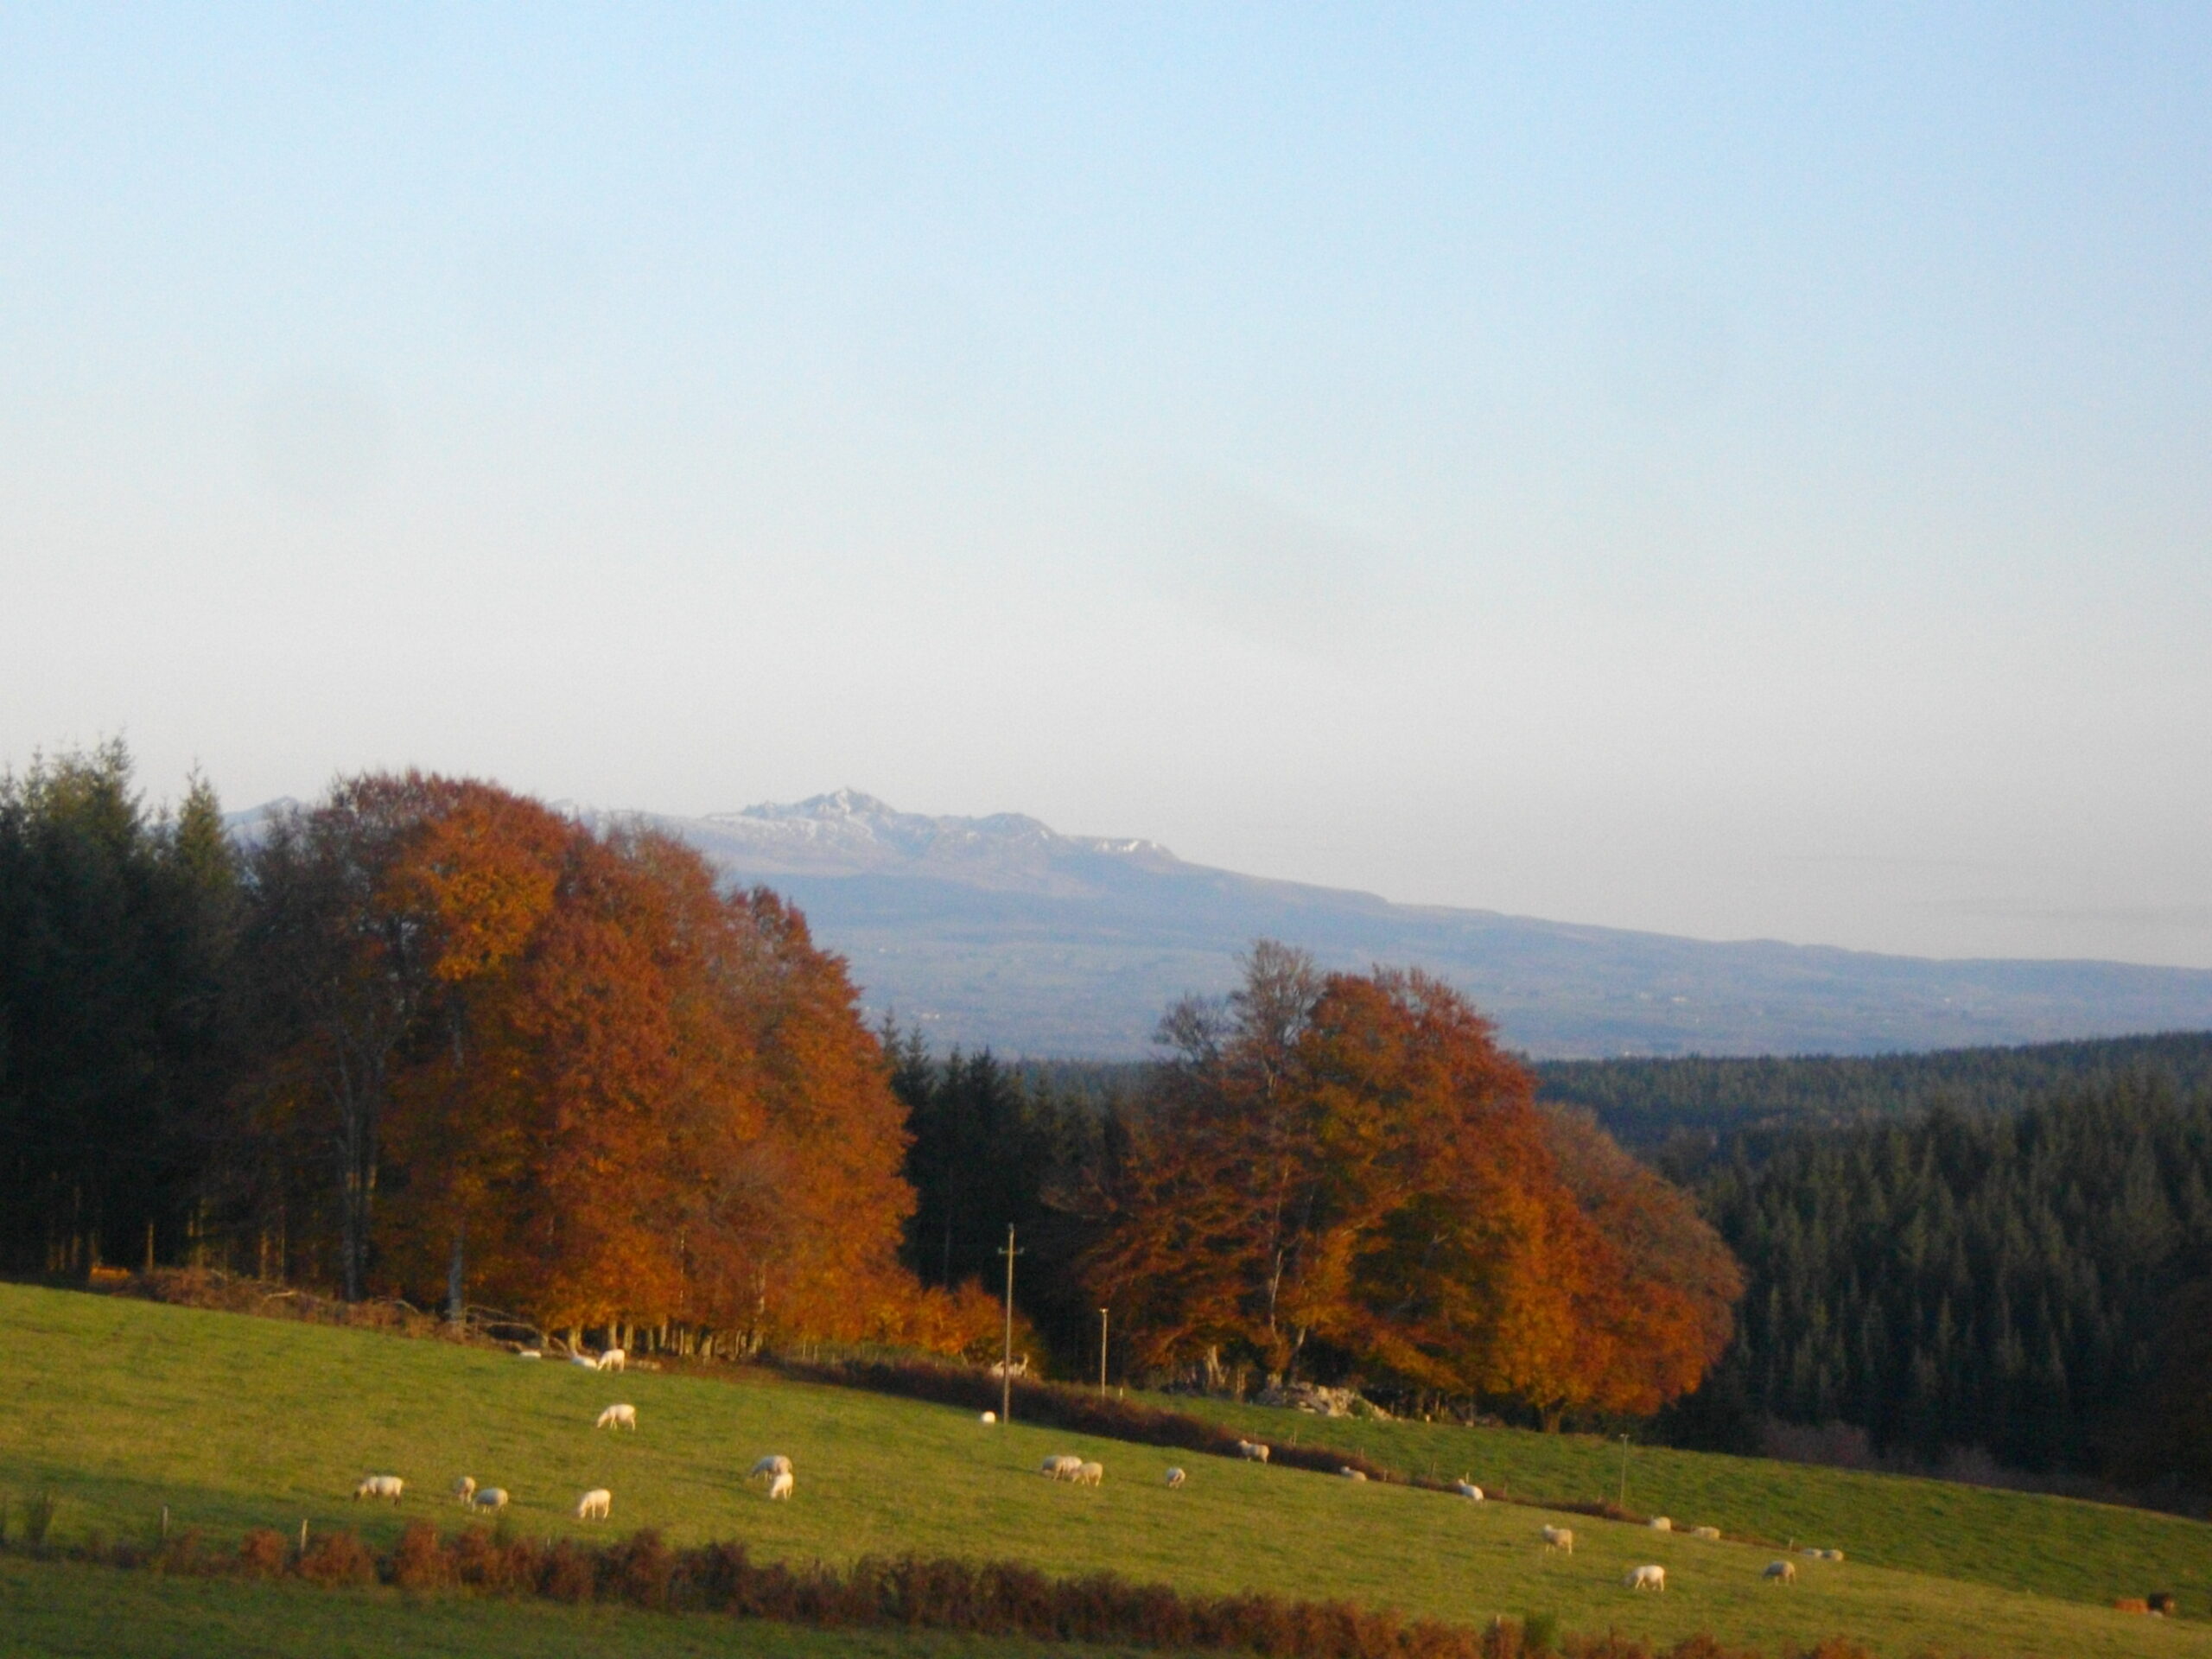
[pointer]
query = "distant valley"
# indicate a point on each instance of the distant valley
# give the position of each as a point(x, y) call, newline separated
point(1002, 931)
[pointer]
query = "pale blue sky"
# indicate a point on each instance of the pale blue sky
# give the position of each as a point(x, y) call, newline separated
point(1728, 471)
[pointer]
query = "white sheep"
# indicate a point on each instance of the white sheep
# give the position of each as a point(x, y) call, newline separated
point(464, 1489)
point(1351, 1473)
point(1090, 1474)
point(528, 1353)
point(1649, 1577)
point(1831, 1555)
point(594, 1504)
point(584, 1360)
point(379, 1486)
point(1707, 1533)
point(490, 1497)
point(1781, 1571)
point(1000, 1368)
point(1559, 1538)
point(782, 1485)
point(1468, 1488)
point(774, 1463)
point(1174, 1479)
point(1659, 1524)
point(1251, 1451)
point(991, 1417)
point(613, 1360)
point(1061, 1466)
point(625, 1416)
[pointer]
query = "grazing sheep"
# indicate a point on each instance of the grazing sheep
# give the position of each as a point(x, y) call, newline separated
point(1831, 1555)
point(612, 1360)
point(1659, 1524)
point(378, 1486)
point(1351, 1473)
point(774, 1463)
point(594, 1504)
point(991, 1417)
point(1174, 1479)
point(1060, 1467)
point(1020, 1368)
point(1781, 1571)
point(1705, 1532)
point(1812, 1554)
point(2161, 1602)
point(782, 1485)
point(464, 1489)
point(1559, 1538)
point(528, 1353)
point(1251, 1451)
point(584, 1360)
point(1468, 1488)
point(618, 1417)
point(1090, 1474)
point(1651, 1576)
point(490, 1497)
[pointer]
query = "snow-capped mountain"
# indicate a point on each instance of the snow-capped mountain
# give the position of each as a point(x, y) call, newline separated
point(848, 833)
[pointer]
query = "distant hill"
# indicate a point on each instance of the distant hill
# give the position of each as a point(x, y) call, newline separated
point(1000, 931)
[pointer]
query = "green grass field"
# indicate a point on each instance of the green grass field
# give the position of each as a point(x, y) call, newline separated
point(121, 1407)
point(61, 1608)
point(2017, 1541)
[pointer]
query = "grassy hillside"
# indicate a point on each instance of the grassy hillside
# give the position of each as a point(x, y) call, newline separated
point(121, 1407)
point(2020, 1541)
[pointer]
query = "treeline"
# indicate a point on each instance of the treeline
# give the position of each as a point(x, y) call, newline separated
point(117, 930)
point(428, 1037)
point(1646, 1101)
point(2037, 1283)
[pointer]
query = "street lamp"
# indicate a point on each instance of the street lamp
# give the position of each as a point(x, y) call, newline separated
point(1102, 1351)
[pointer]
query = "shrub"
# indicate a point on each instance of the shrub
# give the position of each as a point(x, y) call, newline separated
point(183, 1553)
point(420, 1562)
point(1540, 1633)
point(568, 1573)
point(640, 1570)
point(337, 1558)
point(263, 1553)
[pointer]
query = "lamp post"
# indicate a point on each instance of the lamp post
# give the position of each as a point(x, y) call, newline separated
point(1623, 1497)
point(1006, 1363)
point(1102, 1351)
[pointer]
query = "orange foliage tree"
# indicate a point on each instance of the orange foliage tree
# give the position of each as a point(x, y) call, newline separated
point(616, 1094)
point(1349, 1163)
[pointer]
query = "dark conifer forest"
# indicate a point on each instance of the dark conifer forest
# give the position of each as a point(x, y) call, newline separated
point(2016, 1280)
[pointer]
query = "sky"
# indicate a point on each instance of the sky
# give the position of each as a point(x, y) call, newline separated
point(1736, 472)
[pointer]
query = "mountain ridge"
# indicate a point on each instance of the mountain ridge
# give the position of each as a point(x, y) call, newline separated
point(1000, 930)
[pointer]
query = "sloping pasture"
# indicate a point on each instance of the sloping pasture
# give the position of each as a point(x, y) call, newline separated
point(121, 1407)
point(2015, 1540)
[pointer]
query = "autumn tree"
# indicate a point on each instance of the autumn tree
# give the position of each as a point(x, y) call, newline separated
point(568, 1068)
point(1347, 1164)
point(338, 968)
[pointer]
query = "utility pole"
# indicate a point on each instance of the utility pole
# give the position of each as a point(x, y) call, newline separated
point(1624, 1499)
point(1006, 1365)
point(1102, 1351)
